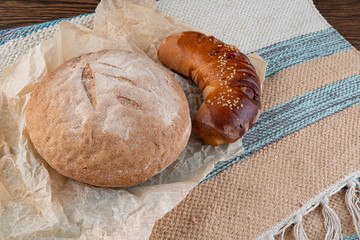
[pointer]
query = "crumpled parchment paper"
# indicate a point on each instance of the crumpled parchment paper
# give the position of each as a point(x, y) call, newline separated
point(36, 201)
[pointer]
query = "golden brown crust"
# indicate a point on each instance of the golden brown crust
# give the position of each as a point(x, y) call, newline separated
point(229, 83)
point(110, 118)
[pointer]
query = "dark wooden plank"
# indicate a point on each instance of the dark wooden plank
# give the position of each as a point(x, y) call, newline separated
point(18, 13)
point(343, 15)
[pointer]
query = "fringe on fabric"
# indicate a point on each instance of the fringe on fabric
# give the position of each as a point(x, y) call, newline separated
point(353, 204)
point(332, 223)
point(299, 232)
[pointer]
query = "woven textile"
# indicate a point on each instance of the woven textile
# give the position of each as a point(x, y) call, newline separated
point(304, 149)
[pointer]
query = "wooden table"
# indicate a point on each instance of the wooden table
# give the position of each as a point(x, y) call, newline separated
point(343, 15)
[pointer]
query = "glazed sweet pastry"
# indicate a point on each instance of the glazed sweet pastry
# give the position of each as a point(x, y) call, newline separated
point(229, 83)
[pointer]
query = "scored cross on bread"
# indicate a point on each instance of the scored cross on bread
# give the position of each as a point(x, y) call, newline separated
point(229, 83)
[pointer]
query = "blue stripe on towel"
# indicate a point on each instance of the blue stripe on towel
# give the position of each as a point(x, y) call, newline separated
point(302, 49)
point(279, 56)
point(352, 237)
point(287, 118)
point(10, 34)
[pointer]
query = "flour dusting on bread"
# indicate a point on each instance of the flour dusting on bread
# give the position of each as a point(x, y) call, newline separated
point(116, 117)
point(113, 83)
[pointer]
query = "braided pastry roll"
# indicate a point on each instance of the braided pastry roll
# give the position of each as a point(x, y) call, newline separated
point(228, 81)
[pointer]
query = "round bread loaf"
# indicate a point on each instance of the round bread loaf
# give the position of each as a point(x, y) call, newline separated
point(111, 118)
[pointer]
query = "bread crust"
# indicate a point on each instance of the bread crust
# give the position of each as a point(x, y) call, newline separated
point(111, 118)
point(229, 83)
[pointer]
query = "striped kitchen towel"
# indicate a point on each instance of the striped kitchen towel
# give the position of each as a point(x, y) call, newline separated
point(297, 177)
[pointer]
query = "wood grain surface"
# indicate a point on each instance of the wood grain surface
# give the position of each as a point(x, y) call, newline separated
point(343, 15)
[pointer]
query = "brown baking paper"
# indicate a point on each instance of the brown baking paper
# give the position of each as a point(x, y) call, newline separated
point(35, 200)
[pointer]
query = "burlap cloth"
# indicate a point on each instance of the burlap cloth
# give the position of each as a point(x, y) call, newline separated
point(297, 175)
